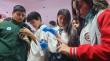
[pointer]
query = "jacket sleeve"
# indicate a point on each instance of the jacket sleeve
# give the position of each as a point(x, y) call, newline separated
point(98, 52)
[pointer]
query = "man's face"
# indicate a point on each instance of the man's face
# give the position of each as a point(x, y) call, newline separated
point(84, 8)
point(60, 20)
point(35, 23)
point(18, 16)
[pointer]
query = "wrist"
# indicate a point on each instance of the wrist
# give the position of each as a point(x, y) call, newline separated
point(72, 51)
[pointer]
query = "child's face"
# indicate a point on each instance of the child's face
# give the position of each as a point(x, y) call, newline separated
point(75, 24)
point(35, 23)
point(18, 16)
point(60, 20)
point(84, 8)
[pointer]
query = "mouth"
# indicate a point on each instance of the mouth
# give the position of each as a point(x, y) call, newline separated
point(20, 20)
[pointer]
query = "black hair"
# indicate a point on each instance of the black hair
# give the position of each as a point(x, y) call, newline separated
point(100, 4)
point(75, 33)
point(53, 23)
point(19, 8)
point(76, 7)
point(89, 2)
point(33, 15)
point(76, 13)
point(72, 34)
point(67, 18)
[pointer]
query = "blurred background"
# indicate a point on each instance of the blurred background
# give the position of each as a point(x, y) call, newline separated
point(47, 8)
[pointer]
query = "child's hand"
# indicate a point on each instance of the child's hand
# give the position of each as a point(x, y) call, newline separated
point(28, 33)
point(63, 48)
point(25, 31)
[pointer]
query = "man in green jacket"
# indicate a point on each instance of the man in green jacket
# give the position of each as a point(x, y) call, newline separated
point(12, 48)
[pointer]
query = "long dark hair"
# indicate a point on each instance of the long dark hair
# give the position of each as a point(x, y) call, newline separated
point(68, 26)
point(67, 18)
point(75, 5)
point(74, 33)
point(101, 4)
point(76, 15)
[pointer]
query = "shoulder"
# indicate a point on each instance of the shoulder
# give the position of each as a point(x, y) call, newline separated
point(104, 13)
point(43, 26)
point(104, 17)
point(1, 20)
point(4, 22)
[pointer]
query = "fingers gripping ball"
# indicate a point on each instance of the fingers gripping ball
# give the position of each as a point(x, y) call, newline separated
point(47, 29)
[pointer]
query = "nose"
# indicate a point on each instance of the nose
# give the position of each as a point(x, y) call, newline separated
point(61, 20)
point(21, 16)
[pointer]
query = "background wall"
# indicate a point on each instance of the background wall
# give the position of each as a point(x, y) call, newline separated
point(47, 8)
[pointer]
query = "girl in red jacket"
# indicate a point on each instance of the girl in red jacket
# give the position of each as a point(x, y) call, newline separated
point(94, 36)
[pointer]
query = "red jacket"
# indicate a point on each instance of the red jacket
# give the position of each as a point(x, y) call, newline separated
point(98, 52)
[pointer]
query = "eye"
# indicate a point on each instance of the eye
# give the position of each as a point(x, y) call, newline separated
point(20, 14)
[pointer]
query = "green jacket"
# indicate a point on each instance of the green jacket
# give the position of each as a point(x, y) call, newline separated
point(12, 48)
